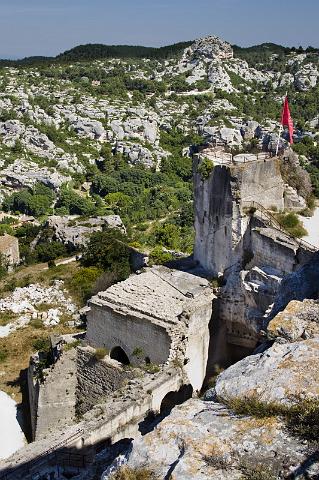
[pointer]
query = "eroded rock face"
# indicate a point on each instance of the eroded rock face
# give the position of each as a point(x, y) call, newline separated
point(288, 370)
point(201, 440)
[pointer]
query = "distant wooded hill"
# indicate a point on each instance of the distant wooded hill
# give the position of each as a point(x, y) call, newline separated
point(95, 51)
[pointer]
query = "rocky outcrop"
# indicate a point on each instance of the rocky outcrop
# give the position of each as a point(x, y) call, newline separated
point(306, 78)
point(287, 371)
point(208, 48)
point(74, 232)
point(201, 440)
point(221, 194)
point(299, 285)
point(24, 173)
point(92, 129)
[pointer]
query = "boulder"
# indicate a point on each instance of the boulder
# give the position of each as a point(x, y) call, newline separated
point(285, 372)
point(89, 128)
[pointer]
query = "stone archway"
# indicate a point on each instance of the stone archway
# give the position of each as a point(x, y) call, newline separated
point(172, 399)
point(118, 354)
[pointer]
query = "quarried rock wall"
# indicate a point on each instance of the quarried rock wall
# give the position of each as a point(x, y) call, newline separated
point(221, 224)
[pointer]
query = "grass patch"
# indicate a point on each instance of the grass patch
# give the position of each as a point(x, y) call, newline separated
point(128, 473)
point(100, 353)
point(7, 317)
point(291, 223)
point(301, 419)
point(71, 345)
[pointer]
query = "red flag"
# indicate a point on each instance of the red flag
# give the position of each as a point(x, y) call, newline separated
point(286, 120)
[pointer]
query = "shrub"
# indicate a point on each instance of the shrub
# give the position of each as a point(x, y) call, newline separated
point(302, 418)
point(100, 353)
point(49, 251)
point(167, 235)
point(41, 345)
point(109, 252)
point(291, 223)
point(138, 352)
point(83, 282)
point(159, 257)
point(205, 168)
point(51, 264)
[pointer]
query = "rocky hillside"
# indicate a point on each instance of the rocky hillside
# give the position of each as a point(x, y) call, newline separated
point(103, 127)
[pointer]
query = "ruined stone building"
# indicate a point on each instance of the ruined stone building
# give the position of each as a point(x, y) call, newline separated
point(162, 330)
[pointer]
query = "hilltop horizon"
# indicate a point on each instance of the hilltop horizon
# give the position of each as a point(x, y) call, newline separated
point(47, 28)
point(147, 48)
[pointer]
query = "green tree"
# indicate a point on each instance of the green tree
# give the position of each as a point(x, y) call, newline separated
point(109, 252)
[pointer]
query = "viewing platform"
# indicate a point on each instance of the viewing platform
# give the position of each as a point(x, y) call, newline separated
point(220, 157)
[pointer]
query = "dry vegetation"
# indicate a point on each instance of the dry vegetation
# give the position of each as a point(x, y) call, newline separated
point(127, 473)
point(16, 351)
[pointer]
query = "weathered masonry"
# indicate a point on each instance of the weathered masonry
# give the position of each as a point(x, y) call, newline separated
point(155, 317)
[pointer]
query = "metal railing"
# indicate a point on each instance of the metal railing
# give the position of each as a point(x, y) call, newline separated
point(274, 223)
point(61, 457)
point(225, 158)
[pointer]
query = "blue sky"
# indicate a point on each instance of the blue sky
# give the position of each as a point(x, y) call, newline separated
point(48, 27)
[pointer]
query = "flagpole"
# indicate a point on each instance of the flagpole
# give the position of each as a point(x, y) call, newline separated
point(281, 128)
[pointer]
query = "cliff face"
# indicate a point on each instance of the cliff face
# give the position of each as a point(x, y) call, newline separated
point(221, 224)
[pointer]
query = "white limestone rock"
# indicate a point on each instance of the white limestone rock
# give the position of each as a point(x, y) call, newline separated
point(24, 173)
point(285, 372)
point(306, 78)
point(208, 48)
point(25, 302)
point(201, 440)
point(92, 129)
point(74, 232)
point(293, 201)
point(219, 78)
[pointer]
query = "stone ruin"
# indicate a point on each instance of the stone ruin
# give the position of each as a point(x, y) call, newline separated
point(151, 323)
point(161, 331)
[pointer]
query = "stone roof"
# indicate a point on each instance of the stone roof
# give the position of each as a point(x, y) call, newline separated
point(158, 293)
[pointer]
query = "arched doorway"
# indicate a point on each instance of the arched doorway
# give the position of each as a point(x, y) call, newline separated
point(118, 354)
point(172, 399)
